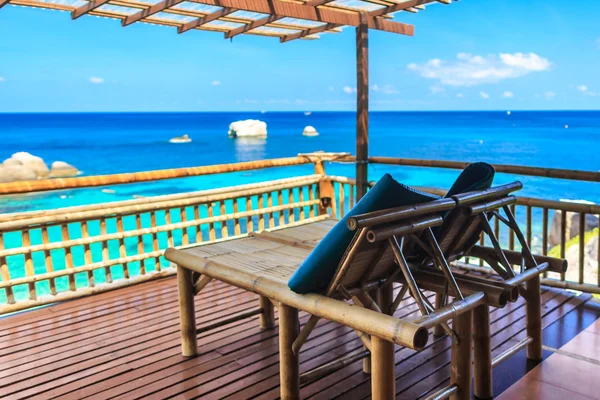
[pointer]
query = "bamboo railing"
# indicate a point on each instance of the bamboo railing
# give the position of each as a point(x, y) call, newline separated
point(54, 255)
point(60, 254)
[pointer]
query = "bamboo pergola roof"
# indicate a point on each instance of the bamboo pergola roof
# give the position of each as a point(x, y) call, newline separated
point(286, 19)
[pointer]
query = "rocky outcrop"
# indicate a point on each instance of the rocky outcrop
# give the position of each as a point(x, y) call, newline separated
point(24, 166)
point(590, 262)
point(310, 131)
point(248, 128)
point(572, 225)
point(61, 169)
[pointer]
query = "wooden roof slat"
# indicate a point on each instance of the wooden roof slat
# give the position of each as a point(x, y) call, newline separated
point(158, 7)
point(307, 32)
point(3, 3)
point(206, 19)
point(90, 6)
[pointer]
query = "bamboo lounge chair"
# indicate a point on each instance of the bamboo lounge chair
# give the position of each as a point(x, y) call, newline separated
point(264, 262)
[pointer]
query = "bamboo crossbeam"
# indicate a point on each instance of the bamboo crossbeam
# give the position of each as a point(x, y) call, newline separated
point(370, 322)
point(332, 366)
point(443, 393)
point(513, 350)
point(136, 177)
point(558, 265)
point(386, 232)
point(81, 213)
point(451, 310)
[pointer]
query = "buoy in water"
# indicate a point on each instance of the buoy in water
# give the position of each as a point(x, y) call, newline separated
point(566, 126)
point(508, 113)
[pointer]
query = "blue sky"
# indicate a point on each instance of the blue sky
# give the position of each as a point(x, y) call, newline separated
point(471, 55)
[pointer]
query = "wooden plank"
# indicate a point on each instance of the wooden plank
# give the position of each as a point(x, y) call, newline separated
point(86, 8)
point(197, 23)
point(155, 8)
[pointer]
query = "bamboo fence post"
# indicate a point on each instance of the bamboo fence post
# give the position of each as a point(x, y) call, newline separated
point(292, 213)
point(482, 352)
point(319, 167)
point(185, 238)
point(342, 200)
point(223, 211)
point(271, 215)
point(47, 259)
point(289, 375)
point(68, 256)
point(438, 331)
point(122, 248)
point(140, 240)
point(189, 340)
point(582, 246)
point(87, 253)
point(563, 238)
point(5, 273)
point(311, 196)
point(199, 226)
point(267, 317)
point(155, 244)
point(29, 268)
point(249, 222)
point(236, 222)
point(280, 203)
point(105, 254)
point(511, 233)
point(211, 231)
point(534, 318)
point(545, 234)
point(170, 242)
point(460, 365)
point(261, 216)
point(383, 379)
point(529, 232)
point(301, 198)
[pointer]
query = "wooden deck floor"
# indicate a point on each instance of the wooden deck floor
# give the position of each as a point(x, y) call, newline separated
point(125, 344)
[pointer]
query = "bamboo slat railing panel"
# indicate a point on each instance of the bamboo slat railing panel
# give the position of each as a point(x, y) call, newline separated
point(104, 247)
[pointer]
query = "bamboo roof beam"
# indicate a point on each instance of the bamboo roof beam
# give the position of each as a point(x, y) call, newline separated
point(90, 6)
point(206, 19)
point(156, 8)
point(3, 3)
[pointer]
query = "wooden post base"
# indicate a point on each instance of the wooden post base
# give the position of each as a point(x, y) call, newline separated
point(189, 340)
point(534, 319)
point(267, 318)
point(383, 379)
point(460, 364)
point(482, 353)
point(289, 369)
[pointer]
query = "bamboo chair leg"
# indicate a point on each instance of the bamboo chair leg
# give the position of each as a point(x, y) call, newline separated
point(438, 331)
point(482, 352)
point(289, 375)
point(267, 317)
point(383, 379)
point(189, 341)
point(534, 319)
point(460, 364)
point(385, 299)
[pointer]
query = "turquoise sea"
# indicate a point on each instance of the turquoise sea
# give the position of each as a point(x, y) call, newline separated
point(107, 143)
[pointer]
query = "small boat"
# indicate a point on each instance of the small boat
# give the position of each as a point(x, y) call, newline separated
point(181, 139)
point(307, 113)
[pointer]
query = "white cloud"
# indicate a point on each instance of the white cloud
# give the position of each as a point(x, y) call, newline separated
point(470, 70)
point(484, 95)
point(385, 89)
point(349, 89)
point(215, 83)
point(460, 95)
point(507, 94)
point(96, 80)
point(436, 89)
point(582, 88)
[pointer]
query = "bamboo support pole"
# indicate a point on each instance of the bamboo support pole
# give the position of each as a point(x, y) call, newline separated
point(563, 238)
point(289, 367)
point(236, 222)
point(122, 248)
point(301, 197)
point(201, 284)
point(280, 204)
point(224, 227)
point(332, 366)
point(460, 365)
point(582, 247)
point(187, 315)
point(267, 317)
point(211, 226)
point(438, 331)
point(291, 200)
point(105, 253)
point(155, 244)
point(29, 268)
point(312, 196)
point(545, 234)
point(482, 353)
point(185, 238)
point(249, 222)
point(511, 351)
point(362, 107)
point(515, 258)
point(534, 318)
point(261, 216)
point(511, 233)
point(197, 226)
point(87, 253)
point(443, 393)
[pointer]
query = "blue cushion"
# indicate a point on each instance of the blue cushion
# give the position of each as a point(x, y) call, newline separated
point(477, 176)
point(317, 270)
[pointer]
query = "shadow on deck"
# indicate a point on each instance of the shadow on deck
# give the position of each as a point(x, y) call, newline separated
point(125, 344)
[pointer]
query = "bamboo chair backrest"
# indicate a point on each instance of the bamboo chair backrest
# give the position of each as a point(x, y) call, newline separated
point(463, 226)
point(369, 257)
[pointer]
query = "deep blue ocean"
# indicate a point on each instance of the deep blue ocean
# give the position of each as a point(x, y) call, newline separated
point(106, 143)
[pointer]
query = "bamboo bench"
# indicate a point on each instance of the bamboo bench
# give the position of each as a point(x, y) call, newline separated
point(395, 245)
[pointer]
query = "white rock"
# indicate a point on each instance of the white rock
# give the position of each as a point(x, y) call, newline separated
point(572, 226)
point(310, 131)
point(248, 128)
point(9, 162)
point(33, 163)
point(62, 169)
point(13, 173)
